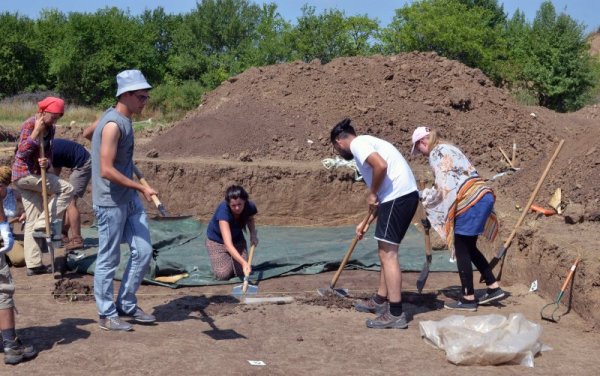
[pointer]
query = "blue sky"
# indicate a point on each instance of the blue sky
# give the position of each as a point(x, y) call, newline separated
point(583, 11)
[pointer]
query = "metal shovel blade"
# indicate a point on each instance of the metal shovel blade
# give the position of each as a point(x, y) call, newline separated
point(424, 274)
point(50, 247)
point(328, 291)
point(238, 291)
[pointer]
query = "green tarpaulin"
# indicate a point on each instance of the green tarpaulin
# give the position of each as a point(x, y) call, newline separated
point(179, 248)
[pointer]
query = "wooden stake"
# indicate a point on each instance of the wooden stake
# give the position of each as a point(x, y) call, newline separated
point(506, 157)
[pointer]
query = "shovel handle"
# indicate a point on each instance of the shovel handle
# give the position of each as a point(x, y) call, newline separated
point(246, 276)
point(569, 276)
point(426, 224)
point(367, 221)
point(44, 187)
point(500, 254)
point(144, 182)
point(532, 197)
point(251, 255)
point(45, 203)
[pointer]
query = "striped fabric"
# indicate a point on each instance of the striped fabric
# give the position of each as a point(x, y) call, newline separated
point(468, 195)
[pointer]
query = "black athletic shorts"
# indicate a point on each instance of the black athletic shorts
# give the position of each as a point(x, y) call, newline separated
point(394, 217)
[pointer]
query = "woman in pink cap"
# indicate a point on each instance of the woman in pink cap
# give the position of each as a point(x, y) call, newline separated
point(460, 208)
point(26, 177)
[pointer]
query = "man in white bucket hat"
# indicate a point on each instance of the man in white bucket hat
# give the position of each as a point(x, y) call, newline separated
point(119, 211)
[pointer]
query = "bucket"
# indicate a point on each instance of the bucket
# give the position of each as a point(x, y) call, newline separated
point(17, 254)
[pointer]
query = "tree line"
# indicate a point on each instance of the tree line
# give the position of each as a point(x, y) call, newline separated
point(185, 55)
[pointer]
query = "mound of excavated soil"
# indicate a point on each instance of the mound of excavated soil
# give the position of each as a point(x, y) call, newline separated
point(286, 112)
point(276, 111)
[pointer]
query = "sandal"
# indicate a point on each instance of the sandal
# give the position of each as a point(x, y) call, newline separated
point(75, 243)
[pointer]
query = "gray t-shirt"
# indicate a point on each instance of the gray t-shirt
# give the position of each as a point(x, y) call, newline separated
point(105, 192)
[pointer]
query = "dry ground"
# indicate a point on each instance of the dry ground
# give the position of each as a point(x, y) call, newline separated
point(204, 331)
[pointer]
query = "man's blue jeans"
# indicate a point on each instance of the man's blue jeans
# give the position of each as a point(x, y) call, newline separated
point(127, 222)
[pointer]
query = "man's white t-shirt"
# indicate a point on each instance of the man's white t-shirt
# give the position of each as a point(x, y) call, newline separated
point(399, 179)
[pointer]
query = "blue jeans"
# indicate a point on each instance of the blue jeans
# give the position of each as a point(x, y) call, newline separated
point(127, 222)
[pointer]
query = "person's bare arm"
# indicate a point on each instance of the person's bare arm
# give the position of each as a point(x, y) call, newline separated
point(89, 131)
point(379, 166)
point(252, 229)
point(228, 243)
point(108, 153)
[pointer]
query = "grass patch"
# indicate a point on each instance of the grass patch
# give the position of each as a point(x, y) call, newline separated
point(14, 113)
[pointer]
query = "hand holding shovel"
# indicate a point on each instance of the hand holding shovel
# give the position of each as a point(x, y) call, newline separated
point(246, 274)
point(245, 288)
point(159, 205)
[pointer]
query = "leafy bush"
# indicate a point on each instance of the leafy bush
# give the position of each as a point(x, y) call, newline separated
point(174, 100)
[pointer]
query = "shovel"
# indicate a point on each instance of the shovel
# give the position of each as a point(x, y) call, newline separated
point(45, 202)
point(500, 254)
point(426, 227)
point(549, 310)
point(164, 215)
point(342, 293)
point(425, 271)
point(246, 288)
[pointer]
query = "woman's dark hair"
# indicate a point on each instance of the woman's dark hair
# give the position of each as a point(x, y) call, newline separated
point(234, 192)
point(342, 130)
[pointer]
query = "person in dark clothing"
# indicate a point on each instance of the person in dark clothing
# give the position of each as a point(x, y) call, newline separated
point(225, 240)
point(70, 154)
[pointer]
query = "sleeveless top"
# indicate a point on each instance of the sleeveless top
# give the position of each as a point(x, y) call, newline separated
point(105, 192)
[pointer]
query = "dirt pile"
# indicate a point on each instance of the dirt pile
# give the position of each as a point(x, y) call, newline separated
point(286, 111)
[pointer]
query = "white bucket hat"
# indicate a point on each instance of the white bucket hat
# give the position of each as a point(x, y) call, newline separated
point(131, 80)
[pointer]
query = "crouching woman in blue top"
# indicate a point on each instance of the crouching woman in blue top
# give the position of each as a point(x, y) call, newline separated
point(225, 240)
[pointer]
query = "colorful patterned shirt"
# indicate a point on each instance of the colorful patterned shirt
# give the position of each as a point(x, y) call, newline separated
point(28, 151)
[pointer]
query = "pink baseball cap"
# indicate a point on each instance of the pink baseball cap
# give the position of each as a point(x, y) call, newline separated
point(417, 135)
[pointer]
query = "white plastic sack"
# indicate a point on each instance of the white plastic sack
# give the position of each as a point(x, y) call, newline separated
point(486, 339)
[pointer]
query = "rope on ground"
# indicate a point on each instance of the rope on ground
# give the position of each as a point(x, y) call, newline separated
point(337, 162)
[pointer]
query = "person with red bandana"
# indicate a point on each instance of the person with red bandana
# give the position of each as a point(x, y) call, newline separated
point(26, 177)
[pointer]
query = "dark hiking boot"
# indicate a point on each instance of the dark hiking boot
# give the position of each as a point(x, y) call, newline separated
point(369, 305)
point(491, 296)
point(115, 324)
point(38, 270)
point(16, 352)
point(138, 315)
point(462, 305)
point(388, 321)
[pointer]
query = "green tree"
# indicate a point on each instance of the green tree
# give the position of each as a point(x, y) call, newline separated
point(556, 61)
point(94, 48)
point(211, 41)
point(451, 29)
point(330, 34)
point(498, 17)
point(269, 39)
point(21, 60)
point(362, 31)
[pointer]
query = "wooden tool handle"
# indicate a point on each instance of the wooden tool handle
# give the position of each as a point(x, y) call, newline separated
point(143, 181)
point(251, 254)
point(533, 195)
point(427, 243)
point(569, 276)
point(368, 219)
point(426, 229)
point(506, 157)
point(44, 188)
